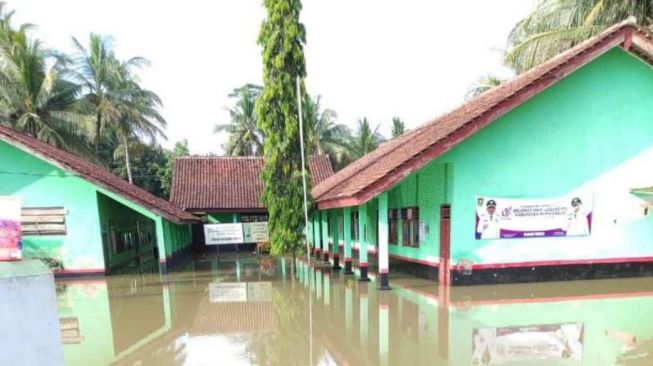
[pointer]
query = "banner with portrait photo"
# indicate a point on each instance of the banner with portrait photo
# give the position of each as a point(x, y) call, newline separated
point(542, 343)
point(10, 232)
point(505, 218)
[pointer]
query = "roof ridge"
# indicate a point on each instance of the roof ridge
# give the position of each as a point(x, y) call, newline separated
point(243, 157)
point(93, 173)
point(389, 147)
point(462, 114)
point(227, 183)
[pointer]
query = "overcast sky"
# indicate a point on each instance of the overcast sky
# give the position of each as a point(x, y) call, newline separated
point(413, 59)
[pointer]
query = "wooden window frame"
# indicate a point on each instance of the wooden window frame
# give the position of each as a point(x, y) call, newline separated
point(410, 227)
point(354, 226)
point(393, 226)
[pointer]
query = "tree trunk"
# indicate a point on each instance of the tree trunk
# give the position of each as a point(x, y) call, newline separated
point(127, 162)
point(98, 126)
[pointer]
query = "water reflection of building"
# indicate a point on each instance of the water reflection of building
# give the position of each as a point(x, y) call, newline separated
point(123, 321)
point(127, 320)
point(589, 323)
point(115, 317)
point(235, 307)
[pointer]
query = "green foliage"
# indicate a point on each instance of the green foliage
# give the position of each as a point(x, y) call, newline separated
point(557, 25)
point(398, 127)
point(35, 98)
point(165, 172)
point(282, 38)
point(365, 138)
point(147, 161)
point(483, 84)
point(91, 104)
point(324, 135)
point(245, 136)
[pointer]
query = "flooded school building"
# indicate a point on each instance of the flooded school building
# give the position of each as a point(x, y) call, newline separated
point(537, 179)
point(227, 189)
point(542, 178)
point(545, 178)
point(82, 219)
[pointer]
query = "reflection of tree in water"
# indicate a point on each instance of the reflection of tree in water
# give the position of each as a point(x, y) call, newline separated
point(640, 355)
point(289, 342)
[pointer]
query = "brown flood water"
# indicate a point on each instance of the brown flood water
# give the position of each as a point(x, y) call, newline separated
point(250, 312)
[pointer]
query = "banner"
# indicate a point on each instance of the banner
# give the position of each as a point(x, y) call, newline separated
point(526, 218)
point(255, 232)
point(527, 344)
point(10, 234)
point(240, 292)
point(219, 234)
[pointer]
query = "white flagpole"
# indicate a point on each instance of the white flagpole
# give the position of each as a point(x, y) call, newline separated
point(308, 248)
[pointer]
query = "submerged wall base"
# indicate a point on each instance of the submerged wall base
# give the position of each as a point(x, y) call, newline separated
point(551, 273)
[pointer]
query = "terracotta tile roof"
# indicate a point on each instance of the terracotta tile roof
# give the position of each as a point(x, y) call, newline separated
point(233, 317)
point(391, 162)
point(95, 174)
point(215, 183)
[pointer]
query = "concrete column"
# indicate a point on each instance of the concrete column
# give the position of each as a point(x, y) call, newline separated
point(326, 282)
point(309, 233)
point(336, 217)
point(318, 283)
point(383, 283)
point(325, 235)
point(318, 238)
point(238, 269)
point(444, 302)
point(349, 316)
point(384, 332)
point(283, 268)
point(346, 228)
point(362, 241)
point(161, 245)
point(364, 315)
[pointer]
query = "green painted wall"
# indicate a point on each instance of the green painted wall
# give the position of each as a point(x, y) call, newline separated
point(426, 190)
point(591, 131)
point(221, 218)
point(42, 185)
point(89, 304)
point(125, 221)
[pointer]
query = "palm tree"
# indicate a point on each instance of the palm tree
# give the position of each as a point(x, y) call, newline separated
point(398, 127)
point(34, 95)
point(245, 137)
point(97, 71)
point(365, 138)
point(324, 134)
point(557, 25)
point(483, 84)
point(137, 112)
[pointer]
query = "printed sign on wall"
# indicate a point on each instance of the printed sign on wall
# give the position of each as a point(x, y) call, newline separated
point(526, 218)
point(255, 232)
point(219, 234)
point(10, 233)
point(527, 344)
